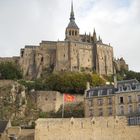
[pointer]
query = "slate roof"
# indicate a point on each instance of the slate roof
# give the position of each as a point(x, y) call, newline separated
point(3, 125)
point(101, 91)
point(132, 81)
point(72, 24)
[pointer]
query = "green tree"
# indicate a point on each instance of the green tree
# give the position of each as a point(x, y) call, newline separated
point(10, 70)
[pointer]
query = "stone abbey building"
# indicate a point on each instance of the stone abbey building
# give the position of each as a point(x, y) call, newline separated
point(76, 53)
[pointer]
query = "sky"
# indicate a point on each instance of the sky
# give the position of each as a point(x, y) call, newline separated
point(28, 22)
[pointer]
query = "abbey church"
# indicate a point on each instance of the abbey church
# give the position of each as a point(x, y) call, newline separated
point(76, 53)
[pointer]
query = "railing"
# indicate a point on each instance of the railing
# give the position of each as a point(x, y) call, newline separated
point(135, 120)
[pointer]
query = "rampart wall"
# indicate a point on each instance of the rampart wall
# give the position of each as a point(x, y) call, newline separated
point(107, 128)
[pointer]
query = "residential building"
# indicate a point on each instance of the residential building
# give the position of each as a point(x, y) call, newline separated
point(113, 101)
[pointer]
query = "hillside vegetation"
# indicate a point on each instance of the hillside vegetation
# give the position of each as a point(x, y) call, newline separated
point(71, 82)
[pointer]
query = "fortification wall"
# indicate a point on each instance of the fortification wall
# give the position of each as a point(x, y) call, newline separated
point(108, 128)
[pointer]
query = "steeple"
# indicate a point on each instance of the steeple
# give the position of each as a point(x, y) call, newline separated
point(94, 36)
point(72, 12)
point(72, 30)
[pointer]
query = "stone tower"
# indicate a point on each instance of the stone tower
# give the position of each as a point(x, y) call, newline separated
point(72, 30)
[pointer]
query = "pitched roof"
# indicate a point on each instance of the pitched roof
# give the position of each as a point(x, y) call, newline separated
point(3, 125)
point(72, 24)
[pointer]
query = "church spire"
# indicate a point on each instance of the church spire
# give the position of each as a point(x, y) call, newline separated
point(94, 36)
point(72, 12)
point(72, 30)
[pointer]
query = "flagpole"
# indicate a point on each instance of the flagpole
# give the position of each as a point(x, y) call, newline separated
point(63, 107)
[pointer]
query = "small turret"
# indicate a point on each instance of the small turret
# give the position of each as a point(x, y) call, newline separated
point(94, 36)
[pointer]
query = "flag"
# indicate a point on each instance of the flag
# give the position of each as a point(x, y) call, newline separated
point(69, 98)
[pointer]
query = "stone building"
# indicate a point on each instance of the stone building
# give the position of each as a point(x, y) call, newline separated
point(76, 53)
point(119, 100)
point(120, 64)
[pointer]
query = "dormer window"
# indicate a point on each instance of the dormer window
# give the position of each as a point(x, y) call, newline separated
point(128, 87)
point(121, 89)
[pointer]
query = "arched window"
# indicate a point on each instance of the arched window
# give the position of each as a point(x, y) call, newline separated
point(72, 32)
point(69, 32)
point(75, 33)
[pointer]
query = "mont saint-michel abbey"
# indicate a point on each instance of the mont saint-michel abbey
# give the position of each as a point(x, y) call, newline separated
point(76, 53)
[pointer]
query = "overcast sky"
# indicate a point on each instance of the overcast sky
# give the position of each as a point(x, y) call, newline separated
point(28, 22)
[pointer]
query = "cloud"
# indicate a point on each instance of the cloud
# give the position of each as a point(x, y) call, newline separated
point(30, 21)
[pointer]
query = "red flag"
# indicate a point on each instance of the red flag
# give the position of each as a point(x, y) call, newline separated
point(69, 98)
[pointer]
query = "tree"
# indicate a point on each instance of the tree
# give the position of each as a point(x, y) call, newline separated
point(10, 70)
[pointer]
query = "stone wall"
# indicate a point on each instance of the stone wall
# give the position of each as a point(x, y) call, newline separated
point(52, 100)
point(6, 83)
point(108, 128)
point(104, 59)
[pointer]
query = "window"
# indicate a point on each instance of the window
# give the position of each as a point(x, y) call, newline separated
point(138, 98)
point(76, 33)
point(128, 87)
point(72, 32)
point(100, 101)
point(100, 112)
point(109, 91)
point(109, 101)
point(121, 100)
point(130, 109)
point(90, 113)
point(129, 99)
point(121, 110)
point(110, 111)
point(90, 103)
point(69, 32)
point(121, 88)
